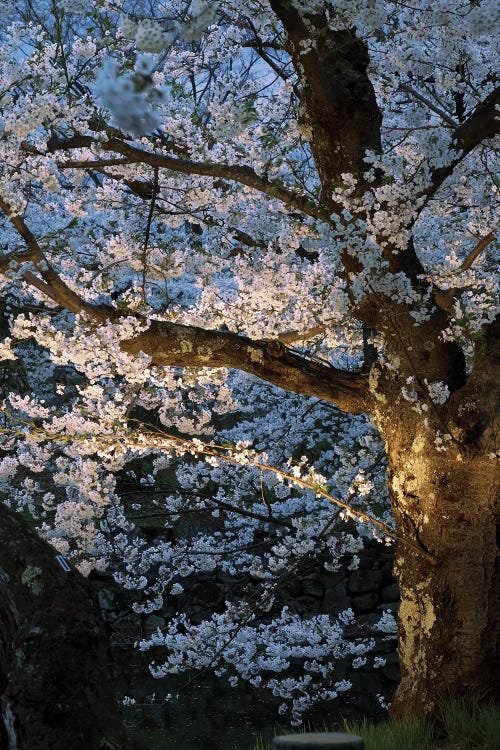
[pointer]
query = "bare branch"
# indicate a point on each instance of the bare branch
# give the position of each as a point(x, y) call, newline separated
point(278, 69)
point(428, 103)
point(477, 250)
point(39, 284)
point(166, 489)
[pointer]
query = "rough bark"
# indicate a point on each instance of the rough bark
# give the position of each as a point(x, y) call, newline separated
point(449, 619)
point(56, 671)
point(171, 344)
point(339, 113)
point(446, 502)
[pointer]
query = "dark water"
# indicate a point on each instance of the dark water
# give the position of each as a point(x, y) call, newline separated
point(164, 739)
point(193, 726)
point(214, 716)
point(211, 715)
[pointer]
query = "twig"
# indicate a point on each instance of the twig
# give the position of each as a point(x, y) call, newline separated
point(148, 232)
point(446, 117)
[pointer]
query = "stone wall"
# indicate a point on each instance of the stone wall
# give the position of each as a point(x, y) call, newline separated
point(211, 706)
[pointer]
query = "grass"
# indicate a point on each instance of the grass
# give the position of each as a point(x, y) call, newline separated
point(413, 734)
point(470, 726)
point(464, 725)
point(261, 744)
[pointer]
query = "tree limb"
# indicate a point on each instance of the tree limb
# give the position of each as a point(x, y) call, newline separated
point(292, 337)
point(482, 244)
point(52, 285)
point(339, 116)
point(339, 113)
point(175, 345)
point(242, 174)
point(482, 124)
point(172, 344)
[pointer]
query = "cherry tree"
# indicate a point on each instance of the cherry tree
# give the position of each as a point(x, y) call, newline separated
point(283, 213)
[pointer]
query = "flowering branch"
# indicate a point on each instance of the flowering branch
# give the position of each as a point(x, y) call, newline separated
point(444, 299)
point(425, 100)
point(172, 344)
point(238, 173)
point(53, 286)
point(155, 440)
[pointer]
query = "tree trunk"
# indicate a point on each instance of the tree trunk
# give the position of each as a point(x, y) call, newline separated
point(445, 504)
point(56, 676)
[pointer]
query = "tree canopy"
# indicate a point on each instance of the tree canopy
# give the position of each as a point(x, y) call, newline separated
point(235, 239)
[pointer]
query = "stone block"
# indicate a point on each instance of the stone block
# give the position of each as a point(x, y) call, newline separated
point(387, 569)
point(312, 587)
point(365, 602)
point(152, 622)
point(208, 593)
point(365, 682)
point(106, 599)
point(291, 589)
point(390, 593)
point(305, 605)
point(336, 599)
point(330, 579)
point(384, 647)
point(391, 669)
point(363, 627)
point(362, 581)
point(153, 716)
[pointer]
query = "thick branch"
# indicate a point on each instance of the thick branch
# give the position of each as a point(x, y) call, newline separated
point(482, 124)
point(339, 112)
point(172, 344)
point(476, 251)
point(340, 118)
point(293, 337)
point(52, 285)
